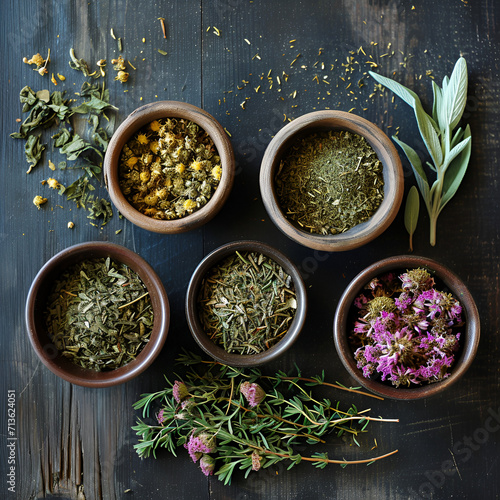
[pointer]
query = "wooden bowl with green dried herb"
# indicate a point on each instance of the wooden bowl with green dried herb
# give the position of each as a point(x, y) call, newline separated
point(97, 314)
point(246, 303)
point(331, 181)
point(169, 167)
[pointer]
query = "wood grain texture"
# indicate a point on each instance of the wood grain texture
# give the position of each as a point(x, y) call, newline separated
point(77, 443)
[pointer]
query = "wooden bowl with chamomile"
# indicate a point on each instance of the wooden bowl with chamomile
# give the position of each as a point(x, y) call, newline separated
point(156, 211)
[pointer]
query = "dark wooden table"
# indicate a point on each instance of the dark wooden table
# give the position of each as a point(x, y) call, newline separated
point(74, 442)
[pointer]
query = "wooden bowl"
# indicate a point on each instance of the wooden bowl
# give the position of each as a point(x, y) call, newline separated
point(392, 173)
point(132, 124)
point(469, 339)
point(195, 325)
point(36, 304)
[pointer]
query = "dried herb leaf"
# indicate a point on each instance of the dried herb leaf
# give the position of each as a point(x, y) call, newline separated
point(411, 213)
point(33, 150)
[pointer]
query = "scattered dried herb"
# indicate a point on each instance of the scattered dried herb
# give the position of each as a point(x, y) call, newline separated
point(229, 419)
point(80, 65)
point(247, 303)
point(449, 150)
point(169, 169)
point(99, 314)
point(329, 182)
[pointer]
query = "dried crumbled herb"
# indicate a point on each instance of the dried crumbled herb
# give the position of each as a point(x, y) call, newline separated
point(328, 182)
point(247, 303)
point(99, 314)
point(169, 169)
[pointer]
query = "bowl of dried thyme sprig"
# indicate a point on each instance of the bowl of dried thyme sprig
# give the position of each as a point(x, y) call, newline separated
point(97, 314)
point(246, 303)
point(331, 181)
point(169, 167)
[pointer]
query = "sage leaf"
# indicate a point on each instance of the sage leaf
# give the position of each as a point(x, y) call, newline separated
point(401, 91)
point(412, 209)
point(429, 135)
point(455, 96)
point(436, 105)
point(456, 150)
point(418, 170)
point(456, 171)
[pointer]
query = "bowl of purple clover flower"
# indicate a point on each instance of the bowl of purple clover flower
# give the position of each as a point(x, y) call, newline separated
point(406, 327)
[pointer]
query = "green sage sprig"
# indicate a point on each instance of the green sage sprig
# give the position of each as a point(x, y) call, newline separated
point(227, 422)
point(449, 149)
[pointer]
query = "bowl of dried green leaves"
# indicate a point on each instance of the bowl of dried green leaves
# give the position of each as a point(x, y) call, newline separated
point(169, 167)
point(97, 314)
point(331, 181)
point(246, 303)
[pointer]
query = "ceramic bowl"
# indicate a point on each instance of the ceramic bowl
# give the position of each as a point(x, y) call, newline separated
point(36, 303)
point(469, 339)
point(195, 325)
point(132, 124)
point(392, 173)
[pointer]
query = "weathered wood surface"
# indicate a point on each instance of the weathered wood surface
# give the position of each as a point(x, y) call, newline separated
point(74, 442)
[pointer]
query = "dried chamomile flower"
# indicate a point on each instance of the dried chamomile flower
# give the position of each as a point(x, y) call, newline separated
point(169, 169)
point(118, 64)
point(71, 225)
point(39, 62)
point(38, 201)
point(53, 183)
point(122, 76)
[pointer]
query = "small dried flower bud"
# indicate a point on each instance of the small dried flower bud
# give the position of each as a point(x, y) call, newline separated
point(207, 465)
point(37, 59)
point(217, 172)
point(61, 77)
point(180, 168)
point(122, 76)
point(53, 183)
point(144, 176)
point(160, 416)
point(253, 393)
point(196, 166)
point(150, 199)
point(155, 125)
point(132, 161)
point(118, 64)
point(25, 60)
point(38, 201)
point(101, 63)
point(142, 139)
point(153, 146)
point(42, 71)
point(256, 458)
point(189, 205)
point(180, 391)
point(71, 225)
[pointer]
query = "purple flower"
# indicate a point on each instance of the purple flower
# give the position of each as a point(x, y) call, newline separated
point(180, 391)
point(254, 394)
point(160, 416)
point(202, 443)
point(207, 465)
point(407, 330)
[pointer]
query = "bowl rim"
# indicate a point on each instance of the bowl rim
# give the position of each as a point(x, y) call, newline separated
point(47, 353)
point(169, 109)
point(387, 154)
point(217, 352)
point(470, 339)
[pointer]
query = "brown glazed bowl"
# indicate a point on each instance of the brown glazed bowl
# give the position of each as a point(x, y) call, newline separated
point(392, 173)
point(144, 115)
point(36, 303)
point(469, 339)
point(218, 353)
